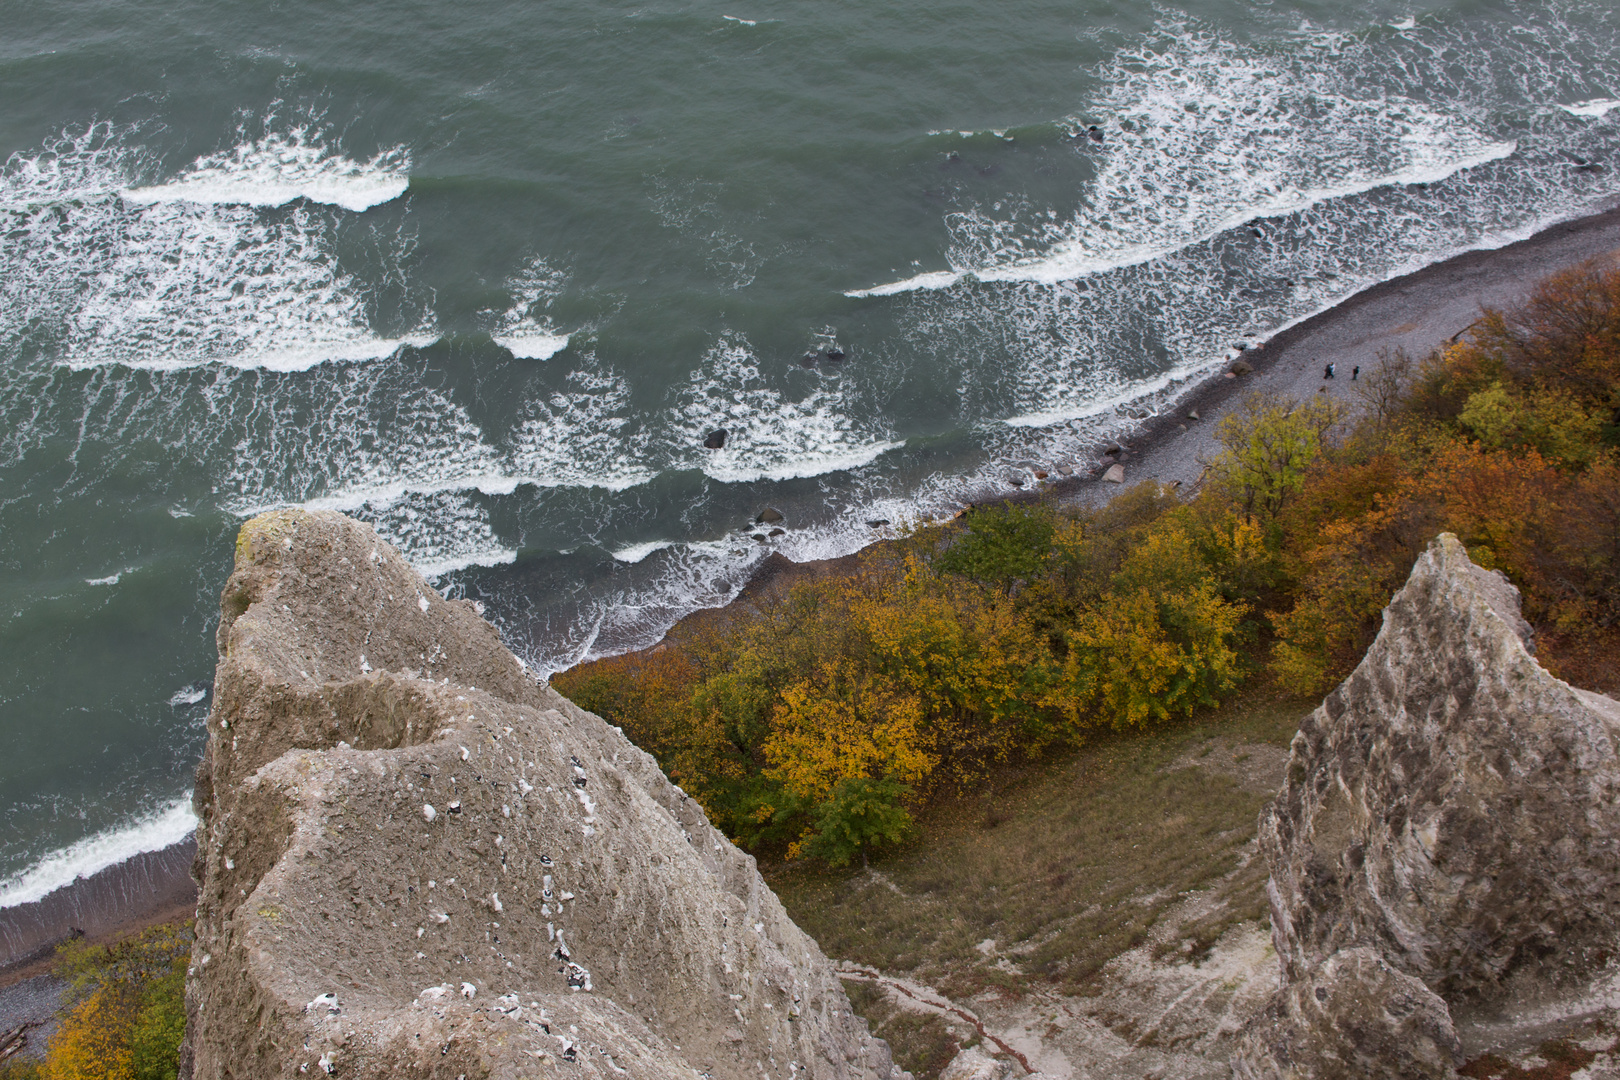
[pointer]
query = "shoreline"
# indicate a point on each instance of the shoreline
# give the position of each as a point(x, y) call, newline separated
point(1416, 311)
point(146, 889)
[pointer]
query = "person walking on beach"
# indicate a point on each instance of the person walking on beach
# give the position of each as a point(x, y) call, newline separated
point(1327, 372)
point(1355, 372)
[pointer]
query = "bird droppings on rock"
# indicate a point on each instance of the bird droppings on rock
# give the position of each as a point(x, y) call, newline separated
point(338, 871)
point(325, 1003)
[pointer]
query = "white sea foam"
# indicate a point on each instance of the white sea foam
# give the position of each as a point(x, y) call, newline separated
point(933, 279)
point(162, 283)
point(1202, 137)
point(439, 533)
point(745, 22)
point(523, 329)
point(189, 695)
point(280, 167)
point(110, 579)
point(532, 346)
point(1596, 107)
point(581, 436)
point(770, 434)
point(434, 568)
point(637, 552)
point(154, 831)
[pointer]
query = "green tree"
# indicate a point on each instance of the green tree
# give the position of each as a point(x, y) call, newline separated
point(1266, 448)
point(861, 816)
point(154, 1040)
point(1002, 544)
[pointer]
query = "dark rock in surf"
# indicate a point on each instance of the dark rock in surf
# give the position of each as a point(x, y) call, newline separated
point(1242, 367)
point(777, 532)
point(715, 440)
point(1094, 133)
point(834, 355)
point(809, 359)
point(878, 523)
point(769, 516)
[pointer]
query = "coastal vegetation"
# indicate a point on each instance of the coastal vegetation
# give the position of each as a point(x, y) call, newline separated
point(818, 722)
point(124, 1010)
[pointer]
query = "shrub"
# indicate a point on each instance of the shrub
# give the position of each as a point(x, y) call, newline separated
point(861, 815)
point(1001, 544)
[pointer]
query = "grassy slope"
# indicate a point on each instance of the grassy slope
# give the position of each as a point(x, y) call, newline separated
point(1065, 865)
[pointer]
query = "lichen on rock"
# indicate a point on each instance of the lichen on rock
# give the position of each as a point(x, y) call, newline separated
point(1445, 850)
point(417, 861)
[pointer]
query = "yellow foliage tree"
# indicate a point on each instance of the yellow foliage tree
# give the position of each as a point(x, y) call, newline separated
point(1144, 657)
point(92, 1042)
point(841, 723)
point(1267, 446)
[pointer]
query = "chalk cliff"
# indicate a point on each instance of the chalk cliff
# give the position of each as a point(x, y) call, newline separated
point(1445, 851)
point(418, 861)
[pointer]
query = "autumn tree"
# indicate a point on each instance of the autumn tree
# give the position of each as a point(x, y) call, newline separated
point(1266, 448)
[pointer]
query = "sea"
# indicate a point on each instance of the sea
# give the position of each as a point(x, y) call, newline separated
point(487, 275)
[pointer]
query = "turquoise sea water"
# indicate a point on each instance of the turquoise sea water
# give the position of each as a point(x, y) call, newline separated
point(486, 274)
